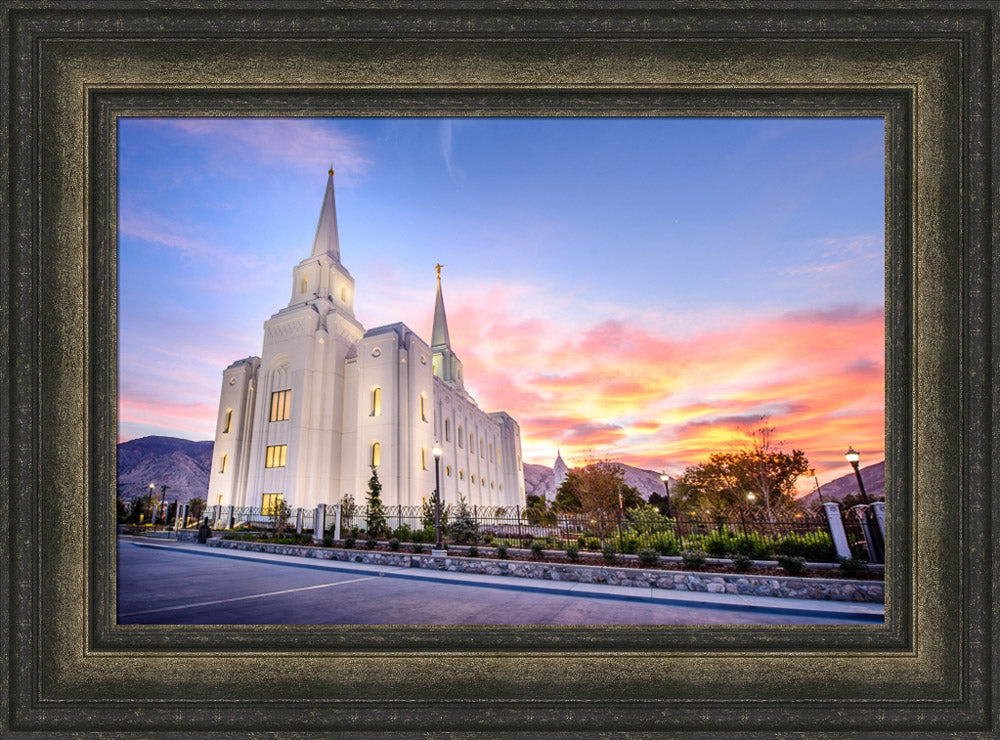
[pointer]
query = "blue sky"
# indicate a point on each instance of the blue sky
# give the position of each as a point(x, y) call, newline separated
point(655, 250)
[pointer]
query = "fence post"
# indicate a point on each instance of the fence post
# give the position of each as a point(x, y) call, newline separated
point(336, 521)
point(215, 516)
point(879, 507)
point(837, 529)
point(184, 516)
point(319, 523)
point(298, 520)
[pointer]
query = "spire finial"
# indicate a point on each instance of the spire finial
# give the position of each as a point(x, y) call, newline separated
point(330, 171)
point(438, 267)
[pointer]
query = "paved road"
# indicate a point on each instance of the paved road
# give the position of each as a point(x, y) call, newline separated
point(188, 584)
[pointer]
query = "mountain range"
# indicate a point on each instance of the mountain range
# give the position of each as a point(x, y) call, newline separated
point(185, 467)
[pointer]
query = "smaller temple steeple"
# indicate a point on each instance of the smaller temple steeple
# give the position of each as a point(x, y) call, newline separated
point(447, 366)
point(327, 240)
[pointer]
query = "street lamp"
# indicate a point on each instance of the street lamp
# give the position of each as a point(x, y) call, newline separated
point(666, 487)
point(751, 497)
point(151, 509)
point(853, 456)
point(437, 491)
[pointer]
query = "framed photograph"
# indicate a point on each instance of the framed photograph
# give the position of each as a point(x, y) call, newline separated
point(76, 71)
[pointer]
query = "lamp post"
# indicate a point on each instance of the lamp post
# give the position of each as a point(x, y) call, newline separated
point(437, 492)
point(853, 456)
point(666, 487)
point(152, 511)
point(751, 497)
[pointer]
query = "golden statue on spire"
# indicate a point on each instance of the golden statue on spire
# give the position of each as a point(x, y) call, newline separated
point(438, 267)
point(330, 171)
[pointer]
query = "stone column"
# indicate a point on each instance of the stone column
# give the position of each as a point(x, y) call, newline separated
point(879, 507)
point(319, 523)
point(336, 521)
point(837, 529)
point(216, 513)
point(298, 521)
point(227, 517)
point(180, 516)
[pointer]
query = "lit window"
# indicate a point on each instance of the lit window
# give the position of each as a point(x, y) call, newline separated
point(376, 454)
point(472, 478)
point(423, 407)
point(275, 456)
point(461, 442)
point(423, 458)
point(220, 499)
point(376, 402)
point(279, 405)
point(343, 295)
point(447, 430)
point(229, 421)
point(492, 484)
point(304, 284)
point(461, 475)
point(222, 465)
point(270, 504)
point(447, 469)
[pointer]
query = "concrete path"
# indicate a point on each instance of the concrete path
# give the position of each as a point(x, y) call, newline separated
point(246, 580)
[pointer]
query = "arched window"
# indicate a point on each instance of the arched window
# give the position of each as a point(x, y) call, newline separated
point(304, 284)
point(229, 421)
point(447, 430)
point(376, 454)
point(461, 442)
point(447, 470)
point(343, 295)
point(472, 442)
point(222, 465)
point(423, 407)
point(423, 458)
point(376, 401)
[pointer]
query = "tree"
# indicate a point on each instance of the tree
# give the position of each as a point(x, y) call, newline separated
point(722, 485)
point(376, 512)
point(348, 510)
point(463, 526)
point(280, 512)
point(196, 507)
point(537, 511)
point(599, 491)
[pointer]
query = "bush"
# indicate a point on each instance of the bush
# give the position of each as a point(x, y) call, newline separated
point(403, 533)
point(629, 545)
point(463, 527)
point(328, 541)
point(608, 553)
point(694, 558)
point(814, 546)
point(537, 550)
point(488, 538)
point(648, 557)
point(665, 543)
point(852, 567)
point(417, 547)
point(573, 553)
point(793, 564)
point(473, 551)
point(593, 543)
point(741, 563)
point(394, 544)
point(349, 542)
point(502, 551)
point(370, 543)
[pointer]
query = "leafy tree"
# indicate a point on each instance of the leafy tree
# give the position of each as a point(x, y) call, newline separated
point(660, 502)
point(196, 507)
point(376, 512)
point(348, 510)
point(722, 485)
point(280, 512)
point(647, 518)
point(599, 491)
point(122, 510)
point(537, 511)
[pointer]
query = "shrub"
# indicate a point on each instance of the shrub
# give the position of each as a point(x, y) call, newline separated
point(608, 553)
point(488, 538)
point(348, 542)
point(370, 543)
point(403, 533)
point(793, 564)
point(463, 527)
point(593, 543)
point(648, 557)
point(473, 551)
point(694, 558)
point(328, 541)
point(852, 567)
point(815, 546)
point(394, 544)
point(573, 553)
point(741, 563)
point(537, 550)
point(417, 547)
point(502, 551)
point(629, 545)
point(665, 543)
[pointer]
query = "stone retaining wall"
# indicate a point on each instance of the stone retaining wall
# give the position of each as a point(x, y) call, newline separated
point(751, 585)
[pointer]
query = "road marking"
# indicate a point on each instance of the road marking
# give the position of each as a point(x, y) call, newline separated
point(197, 604)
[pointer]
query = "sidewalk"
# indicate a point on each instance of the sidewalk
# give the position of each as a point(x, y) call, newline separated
point(855, 611)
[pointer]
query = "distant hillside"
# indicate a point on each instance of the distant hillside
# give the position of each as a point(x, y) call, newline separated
point(179, 463)
point(538, 480)
point(873, 477)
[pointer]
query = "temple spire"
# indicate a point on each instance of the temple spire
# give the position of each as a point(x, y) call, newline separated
point(327, 241)
point(439, 335)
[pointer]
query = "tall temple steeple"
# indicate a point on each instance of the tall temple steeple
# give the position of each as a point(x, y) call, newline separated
point(327, 240)
point(447, 366)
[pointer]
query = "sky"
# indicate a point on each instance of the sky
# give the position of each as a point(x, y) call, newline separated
point(635, 289)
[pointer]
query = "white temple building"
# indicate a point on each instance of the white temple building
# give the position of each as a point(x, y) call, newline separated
point(326, 400)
